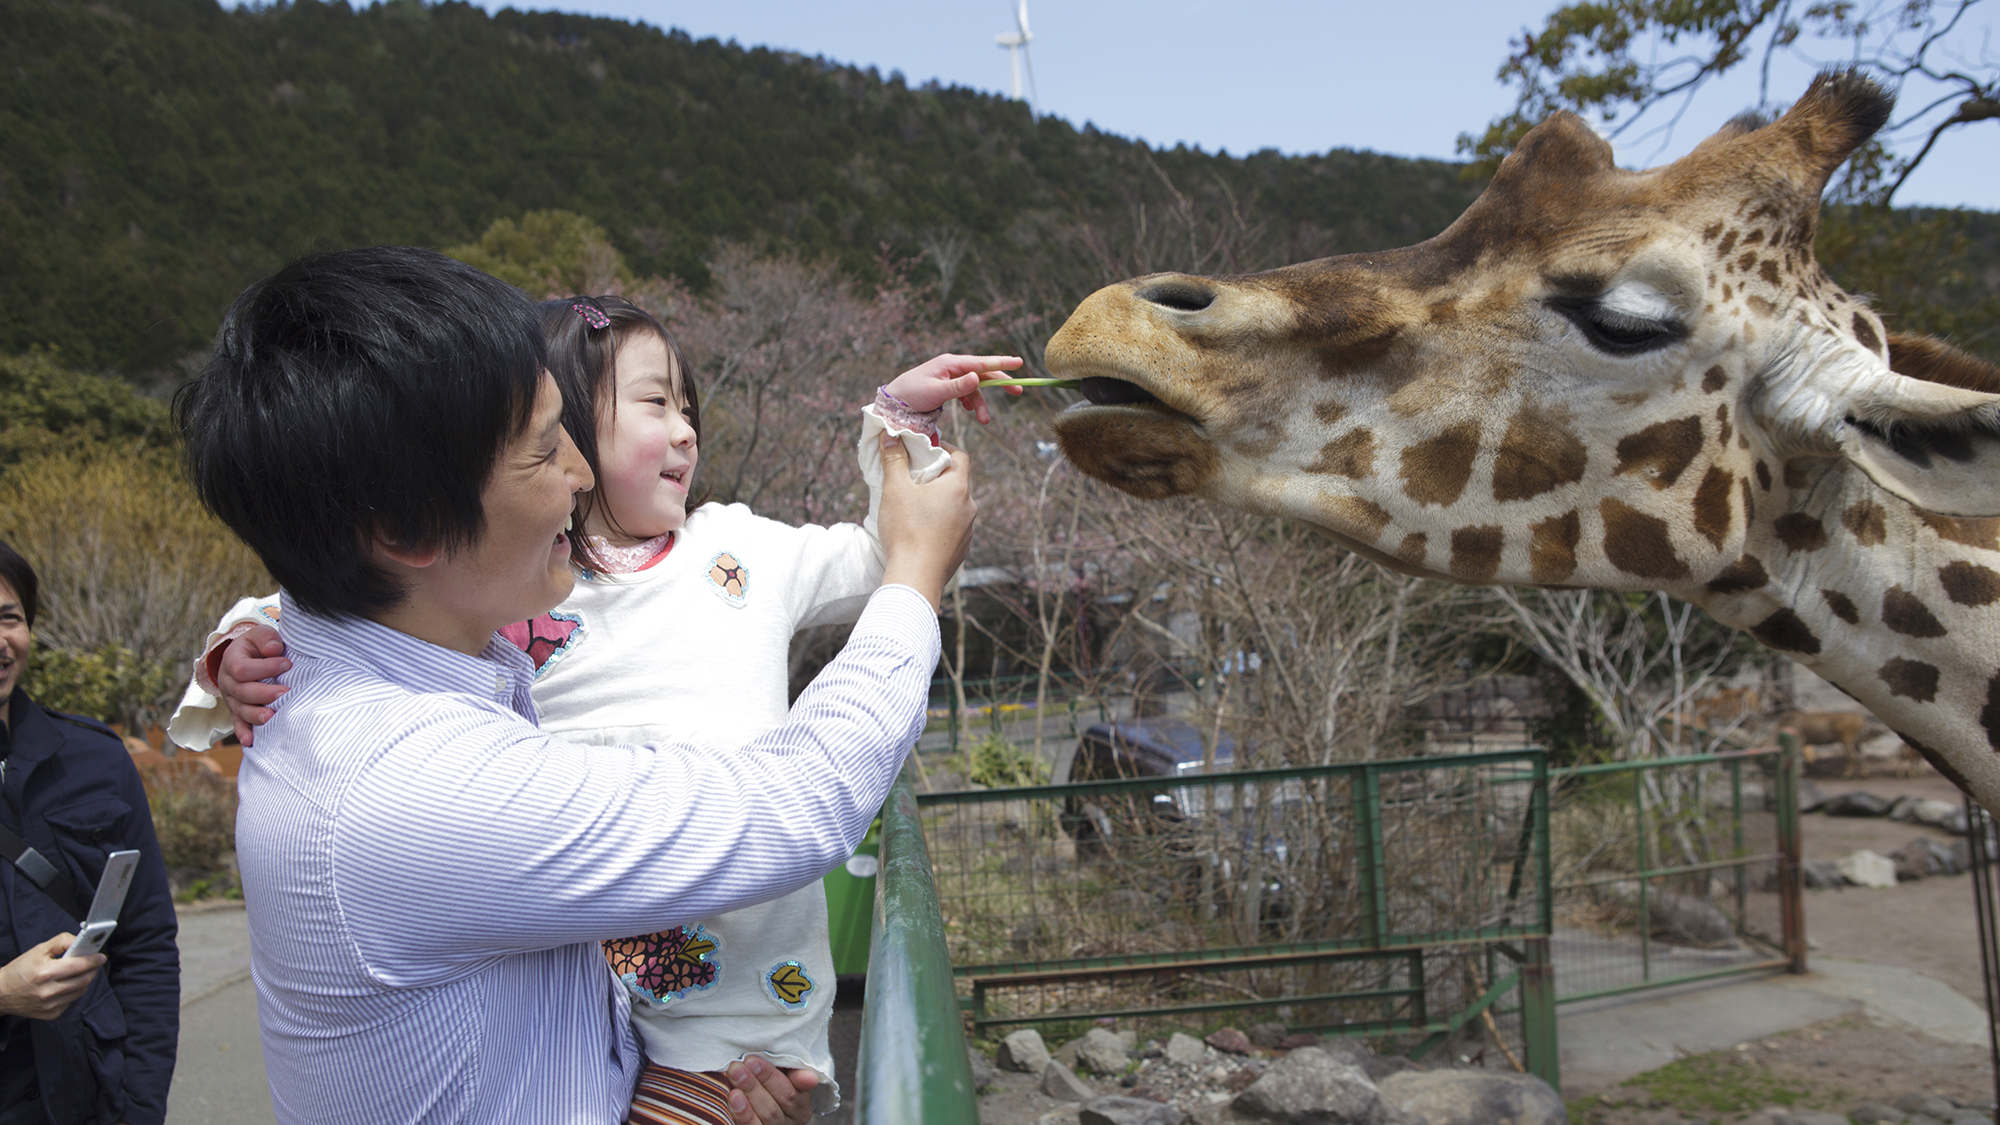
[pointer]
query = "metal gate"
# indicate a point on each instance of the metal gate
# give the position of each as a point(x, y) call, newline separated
point(1672, 870)
point(1407, 899)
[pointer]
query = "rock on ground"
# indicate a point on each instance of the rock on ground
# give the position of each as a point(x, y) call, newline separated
point(983, 1072)
point(1103, 1052)
point(1185, 1050)
point(1472, 1097)
point(1231, 1040)
point(1128, 1111)
point(1868, 869)
point(1062, 1084)
point(1024, 1051)
point(1267, 1034)
point(1857, 803)
point(1311, 1087)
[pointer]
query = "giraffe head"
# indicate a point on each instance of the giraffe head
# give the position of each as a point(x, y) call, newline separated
point(1592, 378)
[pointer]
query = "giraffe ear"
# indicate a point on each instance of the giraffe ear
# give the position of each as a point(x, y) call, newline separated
point(1936, 446)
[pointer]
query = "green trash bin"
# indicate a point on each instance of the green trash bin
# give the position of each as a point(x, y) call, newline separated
point(850, 905)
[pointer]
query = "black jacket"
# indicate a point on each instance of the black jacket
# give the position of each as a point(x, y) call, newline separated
point(69, 789)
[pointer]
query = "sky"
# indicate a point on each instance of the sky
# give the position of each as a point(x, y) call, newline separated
point(1242, 75)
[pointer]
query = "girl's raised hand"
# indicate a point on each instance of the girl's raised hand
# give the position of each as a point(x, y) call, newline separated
point(935, 382)
point(246, 662)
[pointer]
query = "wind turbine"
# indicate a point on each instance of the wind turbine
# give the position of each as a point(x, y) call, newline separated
point(1016, 42)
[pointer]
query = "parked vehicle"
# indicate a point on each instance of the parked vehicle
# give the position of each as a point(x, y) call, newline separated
point(1193, 836)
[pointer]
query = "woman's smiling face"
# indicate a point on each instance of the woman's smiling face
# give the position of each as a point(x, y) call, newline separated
point(646, 449)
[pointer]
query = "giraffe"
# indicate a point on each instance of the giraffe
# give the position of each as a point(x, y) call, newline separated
point(1597, 377)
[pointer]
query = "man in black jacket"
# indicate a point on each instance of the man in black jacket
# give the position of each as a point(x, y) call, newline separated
point(87, 1039)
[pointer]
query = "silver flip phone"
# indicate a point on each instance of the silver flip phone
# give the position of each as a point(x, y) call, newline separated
point(104, 908)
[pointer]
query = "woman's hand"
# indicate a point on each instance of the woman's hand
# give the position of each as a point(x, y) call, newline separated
point(765, 1095)
point(41, 983)
point(247, 661)
point(938, 381)
point(925, 529)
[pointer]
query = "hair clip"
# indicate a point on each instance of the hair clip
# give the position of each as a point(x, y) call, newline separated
point(591, 314)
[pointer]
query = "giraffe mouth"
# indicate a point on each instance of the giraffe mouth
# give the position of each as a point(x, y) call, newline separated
point(1102, 390)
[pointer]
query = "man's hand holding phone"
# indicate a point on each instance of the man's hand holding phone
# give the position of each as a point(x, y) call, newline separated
point(41, 983)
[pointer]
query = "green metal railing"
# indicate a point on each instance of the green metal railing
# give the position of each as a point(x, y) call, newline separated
point(1683, 822)
point(913, 1068)
point(1407, 898)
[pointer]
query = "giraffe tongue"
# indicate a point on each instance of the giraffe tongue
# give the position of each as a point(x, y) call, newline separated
point(1102, 391)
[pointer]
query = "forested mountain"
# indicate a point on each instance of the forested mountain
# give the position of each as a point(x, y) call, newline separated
point(155, 155)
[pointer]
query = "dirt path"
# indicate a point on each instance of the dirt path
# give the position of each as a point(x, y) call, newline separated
point(1927, 925)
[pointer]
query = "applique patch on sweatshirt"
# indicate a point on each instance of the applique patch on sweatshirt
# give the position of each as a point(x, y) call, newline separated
point(729, 578)
point(788, 984)
point(546, 639)
point(661, 968)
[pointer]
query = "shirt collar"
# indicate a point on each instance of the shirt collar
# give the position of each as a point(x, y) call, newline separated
point(501, 672)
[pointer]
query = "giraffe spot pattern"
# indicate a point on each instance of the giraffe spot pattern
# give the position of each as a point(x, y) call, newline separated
point(1637, 543)
point(1714, 379)
point(1475, 552)
point(1842, 606)
point(1975, 532)
point(1363, 519)
point(1538, 453)
point(1911, 679)
point(1989, 715)
point(1722, 428)
point(1768, 270)
point(1905, 613)
point(1800, 532)
point(1795, 474)
point(1330, 411)
point(1763, 476)
point(1728, 244)
point(1865, 333)
point(1435, 470)
point(1746, 573)
point(1866, 522)
point(1711, 505)
point(1415, 547)
point(1761, 307)
point(1663, 448)
point(1552, 547)
point(1351, 455)
point(1969, 583)
point(1784, 630)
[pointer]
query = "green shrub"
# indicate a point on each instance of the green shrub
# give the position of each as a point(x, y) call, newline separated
point(101, 684)
point(997, 764)
point(194, 814)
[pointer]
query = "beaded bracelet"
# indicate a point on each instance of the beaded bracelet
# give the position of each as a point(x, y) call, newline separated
point(906, 416)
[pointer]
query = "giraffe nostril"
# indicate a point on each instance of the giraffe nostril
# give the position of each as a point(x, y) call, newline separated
point(1181, 296)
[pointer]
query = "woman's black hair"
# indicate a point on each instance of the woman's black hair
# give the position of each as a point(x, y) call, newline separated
point(15, 571)
point(358, 394)
point(583, 335)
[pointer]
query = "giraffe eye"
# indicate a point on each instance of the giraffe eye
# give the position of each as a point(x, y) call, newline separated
point(1615, 332)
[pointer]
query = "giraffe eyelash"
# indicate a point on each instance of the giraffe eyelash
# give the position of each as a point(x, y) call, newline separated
point(1615, 332)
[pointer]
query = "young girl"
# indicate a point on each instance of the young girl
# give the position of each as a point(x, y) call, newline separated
point(679, 627)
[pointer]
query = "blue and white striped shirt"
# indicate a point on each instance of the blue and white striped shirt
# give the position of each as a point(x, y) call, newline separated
point(428, 874)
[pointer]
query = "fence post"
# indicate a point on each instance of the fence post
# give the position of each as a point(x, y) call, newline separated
point(1370, 861)
point(1538, 972)
point(1791, 881)
point(913, 1069)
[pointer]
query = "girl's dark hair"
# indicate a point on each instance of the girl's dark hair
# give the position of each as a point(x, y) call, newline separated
point(15, 571)
point(583, 335)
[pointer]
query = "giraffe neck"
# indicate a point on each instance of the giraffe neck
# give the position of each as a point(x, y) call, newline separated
point(1897, 607)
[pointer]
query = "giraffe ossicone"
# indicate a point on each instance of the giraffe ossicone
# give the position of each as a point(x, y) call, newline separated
point(1599, 377)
